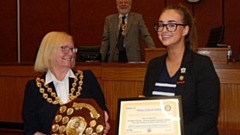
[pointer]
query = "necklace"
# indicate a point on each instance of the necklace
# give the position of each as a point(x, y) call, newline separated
point(54, 99)
point(122, 26)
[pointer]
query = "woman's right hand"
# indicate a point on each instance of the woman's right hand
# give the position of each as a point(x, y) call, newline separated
point(39, 133)
point(141, 96)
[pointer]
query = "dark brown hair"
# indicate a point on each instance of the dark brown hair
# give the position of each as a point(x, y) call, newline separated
point(191, 39)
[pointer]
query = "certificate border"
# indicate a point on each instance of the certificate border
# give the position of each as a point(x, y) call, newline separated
point(150, 98)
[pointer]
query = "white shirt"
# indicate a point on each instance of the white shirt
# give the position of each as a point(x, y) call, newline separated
point(120, 16)
point(62, 87)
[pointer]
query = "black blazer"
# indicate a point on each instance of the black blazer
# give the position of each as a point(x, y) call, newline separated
point(37, 113)
point(199, 91)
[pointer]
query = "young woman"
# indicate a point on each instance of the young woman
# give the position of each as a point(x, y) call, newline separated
point(183, 72)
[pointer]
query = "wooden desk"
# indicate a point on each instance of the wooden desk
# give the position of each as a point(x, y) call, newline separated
point(117, 80)
point(112, 130)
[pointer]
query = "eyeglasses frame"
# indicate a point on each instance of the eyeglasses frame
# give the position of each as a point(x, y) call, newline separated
point(156, 26)
point(66, 49)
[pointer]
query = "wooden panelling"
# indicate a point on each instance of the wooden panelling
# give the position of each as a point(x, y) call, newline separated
point(11, 97)
point(151, 53)
point(184, 2)
point(87, 20)
point(229, 76)
point(10, 132)
point(121, 81)
point(119, 73)
point(37, 19)
point(208, 14)
point(8, 30)
point(117, 80)
point(232, 28)
point(119, 89)
point(150, 10)
point(229, 106)
point(217, 55)
point(84, 21)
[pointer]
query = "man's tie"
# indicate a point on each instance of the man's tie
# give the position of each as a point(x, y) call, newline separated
point(121, 36)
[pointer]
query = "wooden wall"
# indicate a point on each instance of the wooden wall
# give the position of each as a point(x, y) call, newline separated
point(84, 20)
point(8, 31)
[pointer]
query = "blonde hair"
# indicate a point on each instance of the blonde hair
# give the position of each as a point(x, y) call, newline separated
point(48, 48)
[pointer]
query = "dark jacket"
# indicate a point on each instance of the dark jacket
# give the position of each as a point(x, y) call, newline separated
point(38, 114)
point(199, 91)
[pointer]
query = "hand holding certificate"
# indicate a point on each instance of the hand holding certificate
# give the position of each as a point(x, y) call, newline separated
point(152, 116)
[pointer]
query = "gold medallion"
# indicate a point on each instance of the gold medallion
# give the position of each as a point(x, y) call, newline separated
point(89, 131)
point(55, 127)
point(181, 77)
point(63, 109)
point(76, 126)
point(93, 123)
point(65, 120)
point(70, 111)
point(99, 128)
point(62, 129)
point(58, 118)
point(123, 27)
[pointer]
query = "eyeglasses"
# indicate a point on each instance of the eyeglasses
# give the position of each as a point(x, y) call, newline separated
point(171, 27)
point(66, 49)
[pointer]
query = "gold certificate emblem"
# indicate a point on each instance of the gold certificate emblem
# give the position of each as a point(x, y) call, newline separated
point(168, 108)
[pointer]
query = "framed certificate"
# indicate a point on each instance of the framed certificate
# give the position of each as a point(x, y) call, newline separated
point(150, 115)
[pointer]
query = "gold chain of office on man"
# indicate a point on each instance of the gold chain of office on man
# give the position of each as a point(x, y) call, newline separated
point(54, 99)
point(123, 27)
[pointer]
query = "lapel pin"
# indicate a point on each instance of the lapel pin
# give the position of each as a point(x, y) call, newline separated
point(181, 77)
point(183, 70)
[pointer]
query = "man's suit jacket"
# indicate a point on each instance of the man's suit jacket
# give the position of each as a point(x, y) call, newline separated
point(135, 27)
point(199, 91)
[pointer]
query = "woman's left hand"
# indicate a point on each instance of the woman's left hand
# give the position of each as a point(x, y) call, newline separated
point(107, 127)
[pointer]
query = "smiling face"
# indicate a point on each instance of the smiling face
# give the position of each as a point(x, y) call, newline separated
point(63, 59)
point(172, 38)
point(123, 6)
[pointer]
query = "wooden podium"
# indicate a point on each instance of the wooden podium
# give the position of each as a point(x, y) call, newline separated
point(218, 55)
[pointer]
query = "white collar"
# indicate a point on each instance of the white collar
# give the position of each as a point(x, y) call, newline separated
point(120, 15)
point(50, 77)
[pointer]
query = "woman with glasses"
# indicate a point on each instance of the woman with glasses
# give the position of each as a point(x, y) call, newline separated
point(59, 85)
point(183, 72)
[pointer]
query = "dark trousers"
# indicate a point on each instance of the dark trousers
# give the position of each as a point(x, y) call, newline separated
point(122, 56)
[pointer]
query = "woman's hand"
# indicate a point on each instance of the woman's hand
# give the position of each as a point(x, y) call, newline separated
point(141, 96)
point(39, 133)
point(107, 127)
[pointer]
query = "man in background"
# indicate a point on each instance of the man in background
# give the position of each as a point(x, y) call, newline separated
point(120, 41)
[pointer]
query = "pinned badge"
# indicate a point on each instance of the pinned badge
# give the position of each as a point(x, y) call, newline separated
point(181, 77)
point(183, 70)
